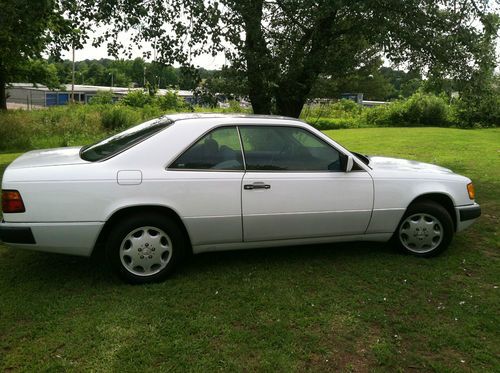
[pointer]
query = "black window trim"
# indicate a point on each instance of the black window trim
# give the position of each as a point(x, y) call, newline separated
point(168, 124)
point(244, 170)
point(181, 153)
point(297, 171)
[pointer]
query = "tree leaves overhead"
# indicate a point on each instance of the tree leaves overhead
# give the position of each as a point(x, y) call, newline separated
point(283, 45)
point(27, 29)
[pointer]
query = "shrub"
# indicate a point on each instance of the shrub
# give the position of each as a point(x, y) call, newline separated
point(117, 117)
point(15, 131)
point(334, 123)
point(481, 111)
point(418, 110)
point(102, 98)
point(170, 101)
point(137, 98)
point(340, 109)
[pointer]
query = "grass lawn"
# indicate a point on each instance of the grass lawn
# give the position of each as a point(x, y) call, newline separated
point(350, 307)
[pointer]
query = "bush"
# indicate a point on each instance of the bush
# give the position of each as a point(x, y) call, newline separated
point(482, 111)
point(102, 98)
point(418, 110)
point(170, 101)
point(137, 98)
point(340, 109)
point(118, 117)
point(15, 131)
point(334, 123)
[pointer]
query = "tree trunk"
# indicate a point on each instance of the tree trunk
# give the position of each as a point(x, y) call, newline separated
point(3, 94)
point(289, 106)
point(304, 69)
point(257, 57)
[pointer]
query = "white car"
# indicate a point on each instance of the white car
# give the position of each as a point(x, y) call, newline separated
point(195, 183)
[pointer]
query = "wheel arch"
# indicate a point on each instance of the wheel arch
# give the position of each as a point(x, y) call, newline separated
point(442, 199)
point(130, 210)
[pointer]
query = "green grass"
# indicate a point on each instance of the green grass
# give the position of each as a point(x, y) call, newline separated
point(349, 307)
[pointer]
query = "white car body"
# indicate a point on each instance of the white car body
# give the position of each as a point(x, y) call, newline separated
point(69, 200)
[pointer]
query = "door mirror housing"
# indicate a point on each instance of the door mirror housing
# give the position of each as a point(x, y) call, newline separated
point(346, 162)
point(350, 163)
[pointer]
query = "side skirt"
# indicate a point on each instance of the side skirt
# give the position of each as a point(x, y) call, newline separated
point(374, 237)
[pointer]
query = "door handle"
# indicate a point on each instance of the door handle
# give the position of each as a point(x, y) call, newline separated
point(256, 186)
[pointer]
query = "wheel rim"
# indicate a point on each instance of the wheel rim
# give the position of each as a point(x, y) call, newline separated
point(421, 233)
point(145, 251)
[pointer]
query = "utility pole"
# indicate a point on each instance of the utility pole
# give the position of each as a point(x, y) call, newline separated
point(73, 78)
point(144, 76)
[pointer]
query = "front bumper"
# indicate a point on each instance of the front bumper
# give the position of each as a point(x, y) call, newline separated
point(63, 238)
point(466, 215)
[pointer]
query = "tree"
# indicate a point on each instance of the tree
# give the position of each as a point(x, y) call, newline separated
point(479, 102)
point(26, 31)
point(283, 46)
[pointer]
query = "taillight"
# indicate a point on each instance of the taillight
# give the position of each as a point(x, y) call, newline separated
point(12, 202)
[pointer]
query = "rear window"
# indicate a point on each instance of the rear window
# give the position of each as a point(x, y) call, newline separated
point(123, 140)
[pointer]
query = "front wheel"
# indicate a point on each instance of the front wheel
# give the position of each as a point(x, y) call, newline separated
point(143, 249)
point(426, 229)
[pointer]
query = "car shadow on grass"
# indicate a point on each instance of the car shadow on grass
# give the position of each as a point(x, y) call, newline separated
point(303, 254)
point(51, 268)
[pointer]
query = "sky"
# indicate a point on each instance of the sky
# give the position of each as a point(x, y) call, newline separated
point(206, 61)
point(90, 52)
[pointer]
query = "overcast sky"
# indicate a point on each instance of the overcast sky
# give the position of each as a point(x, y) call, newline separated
point(205, 61)
point(89, 53)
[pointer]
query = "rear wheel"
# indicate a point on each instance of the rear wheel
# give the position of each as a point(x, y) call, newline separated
point(426, 229)
point(143, 249)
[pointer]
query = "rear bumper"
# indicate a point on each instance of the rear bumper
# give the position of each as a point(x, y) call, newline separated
point(16, 235)
point(466, 215)
point(63, 238)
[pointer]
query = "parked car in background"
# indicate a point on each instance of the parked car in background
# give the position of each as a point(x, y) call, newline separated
point(196, 183)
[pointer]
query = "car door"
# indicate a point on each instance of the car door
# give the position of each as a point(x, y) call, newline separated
point(295, 187)
point(207, 187)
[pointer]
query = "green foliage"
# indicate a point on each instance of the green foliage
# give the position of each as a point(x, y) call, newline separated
point(118, 117)
point(14, 132)
point(419, 110)
point(235, 107)
point(102, 98)
point(479, 111)
point(54, 127)
point(340, 109)
point(27, 29)
point(283, 46)
point(479, 103)
point(170, 101)
point(324, 124)
point(137, 98)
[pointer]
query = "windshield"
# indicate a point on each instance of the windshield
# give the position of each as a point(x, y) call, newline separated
point(123, 140)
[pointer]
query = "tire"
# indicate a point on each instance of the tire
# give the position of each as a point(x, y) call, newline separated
point(425, 230)
point(145, 248)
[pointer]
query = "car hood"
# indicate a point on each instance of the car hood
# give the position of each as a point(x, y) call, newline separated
point(49, 157)
point(395, 164)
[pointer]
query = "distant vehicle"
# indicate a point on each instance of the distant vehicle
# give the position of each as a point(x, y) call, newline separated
point(196, 183)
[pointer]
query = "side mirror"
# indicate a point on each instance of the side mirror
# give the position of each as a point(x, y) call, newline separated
point(346, 162)
point(349, 163)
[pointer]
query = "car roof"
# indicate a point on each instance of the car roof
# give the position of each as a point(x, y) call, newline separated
point(191, 116)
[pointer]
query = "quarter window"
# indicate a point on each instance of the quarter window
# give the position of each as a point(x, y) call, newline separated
point(218, 150)
point(287, 149)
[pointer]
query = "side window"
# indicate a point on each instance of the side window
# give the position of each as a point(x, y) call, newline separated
point(218, 150)
point(287, 149)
